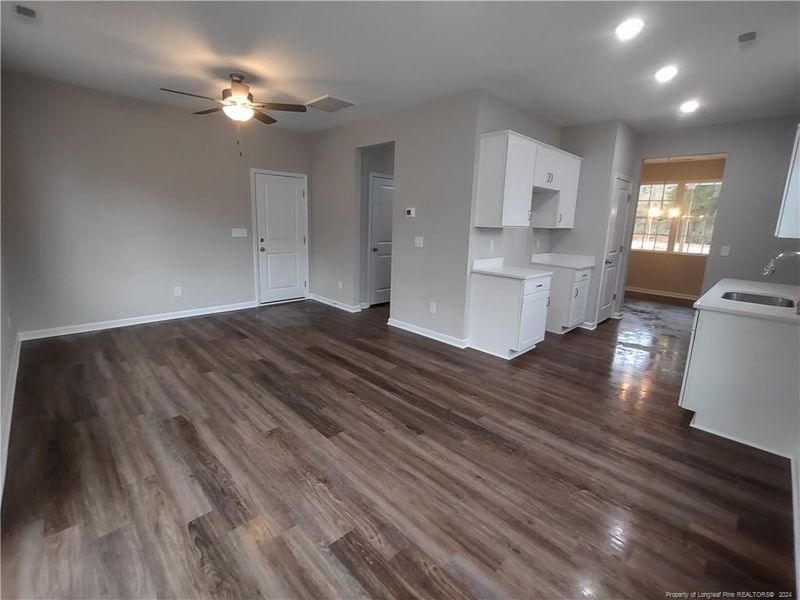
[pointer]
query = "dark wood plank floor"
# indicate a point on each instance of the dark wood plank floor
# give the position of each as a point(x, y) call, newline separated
point(297, 451)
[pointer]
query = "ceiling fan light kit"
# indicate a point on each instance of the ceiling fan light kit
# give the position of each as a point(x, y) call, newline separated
point(237, 103)
point(238, 112)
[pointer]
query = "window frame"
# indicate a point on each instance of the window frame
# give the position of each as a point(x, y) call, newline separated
point(675, 223)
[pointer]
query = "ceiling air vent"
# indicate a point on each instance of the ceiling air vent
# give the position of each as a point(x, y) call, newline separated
point(25, 11)
point(748, 36)
point(329, 103)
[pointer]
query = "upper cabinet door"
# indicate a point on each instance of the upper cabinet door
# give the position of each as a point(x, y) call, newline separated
point(520, 161)
point(789, 218)
point(548, 174)
point(568, 196)
point(505, 180)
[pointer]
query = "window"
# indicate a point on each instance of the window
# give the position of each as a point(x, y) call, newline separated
point(676, 217)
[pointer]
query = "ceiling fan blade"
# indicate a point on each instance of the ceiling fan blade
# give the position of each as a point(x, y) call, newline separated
point(208, 111)
point(281, 106)
point(265, 119)
point(187, 94)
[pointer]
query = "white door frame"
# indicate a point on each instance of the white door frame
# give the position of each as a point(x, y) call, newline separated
point(254, 230)
point(608, 245)
point(372, 176)
point(627, 239)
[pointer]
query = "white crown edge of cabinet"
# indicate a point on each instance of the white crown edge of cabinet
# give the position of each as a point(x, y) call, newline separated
point(530, 139)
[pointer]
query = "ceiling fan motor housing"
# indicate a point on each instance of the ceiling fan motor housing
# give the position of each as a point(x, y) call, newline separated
point(239, 96)
point(238, 92)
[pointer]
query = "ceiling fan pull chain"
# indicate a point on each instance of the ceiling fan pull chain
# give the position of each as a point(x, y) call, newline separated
point(239, 137)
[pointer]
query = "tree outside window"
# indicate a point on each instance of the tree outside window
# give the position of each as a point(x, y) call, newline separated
point(676, 217)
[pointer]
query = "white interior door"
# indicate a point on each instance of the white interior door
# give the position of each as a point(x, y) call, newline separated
point(379, 261)
point(611, 265)
point(282, 237)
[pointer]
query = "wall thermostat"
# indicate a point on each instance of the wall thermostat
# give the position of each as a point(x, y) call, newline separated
point(411, 213)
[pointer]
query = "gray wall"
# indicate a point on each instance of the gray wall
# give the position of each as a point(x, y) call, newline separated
point(434, 158)
point(108, 202)
point(8, 334)
point(752, 186)
point(514, 244)
point(597, 144)
point(373, 159)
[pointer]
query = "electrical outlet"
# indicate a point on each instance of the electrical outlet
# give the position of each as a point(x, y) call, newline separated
point(177, 290)
point(239, 232)
point(339, 283)
point(538, 243)
point(491, 245)
point(724, 250)
point(418, 241)
point(432, 308)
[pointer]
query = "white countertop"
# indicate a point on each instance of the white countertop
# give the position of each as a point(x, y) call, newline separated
point(567, 261)
point(495, 266)
point(713, 300)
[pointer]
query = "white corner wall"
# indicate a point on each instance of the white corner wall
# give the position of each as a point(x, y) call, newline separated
point(108, 202)
point(514, 244)
point(434, 158)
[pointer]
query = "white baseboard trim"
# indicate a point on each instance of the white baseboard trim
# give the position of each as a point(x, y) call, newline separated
point(36, 334)
point(351, 308)
point(429, 333)
point(661, 293)
point(365, 305)
point(735, 439)
point(617, 316)
point(11, 388)
point(588, 325)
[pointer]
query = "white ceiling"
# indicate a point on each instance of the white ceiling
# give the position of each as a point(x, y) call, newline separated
point(559, 60)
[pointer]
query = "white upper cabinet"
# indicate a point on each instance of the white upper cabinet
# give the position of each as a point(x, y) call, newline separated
point(554, 207)
point(522, 182)
point(506, 164)
point(789, 218)
point(549, 173)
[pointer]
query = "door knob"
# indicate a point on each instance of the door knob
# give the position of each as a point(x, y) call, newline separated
point(608, 262)
point(262, 249)
point(374, 249)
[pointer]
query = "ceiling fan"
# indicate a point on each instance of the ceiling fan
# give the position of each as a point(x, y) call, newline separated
point(237, 103)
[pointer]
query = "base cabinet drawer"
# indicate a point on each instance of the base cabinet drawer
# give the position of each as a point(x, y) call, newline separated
point(532, 286)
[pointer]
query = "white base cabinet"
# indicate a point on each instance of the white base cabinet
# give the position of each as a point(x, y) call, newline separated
point(569, 291)
point(508, 308)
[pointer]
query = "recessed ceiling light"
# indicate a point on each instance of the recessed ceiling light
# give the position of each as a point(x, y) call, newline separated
point(629, 29)
point(690, 106)
point(664, 74)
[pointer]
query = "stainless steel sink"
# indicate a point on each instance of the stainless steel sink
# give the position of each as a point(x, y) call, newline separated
point(759, 299)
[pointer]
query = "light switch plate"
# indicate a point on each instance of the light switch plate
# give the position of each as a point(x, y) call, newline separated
point(724, 250)
point(239, 232)
point(418, 241)
point(177, 290)
point(432, 308)
point(411, 213)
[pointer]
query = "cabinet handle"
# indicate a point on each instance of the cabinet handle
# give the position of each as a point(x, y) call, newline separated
point(576, 292)
point(559, 217)
point(547, 303)
point(539, 284)
point(529, 216)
